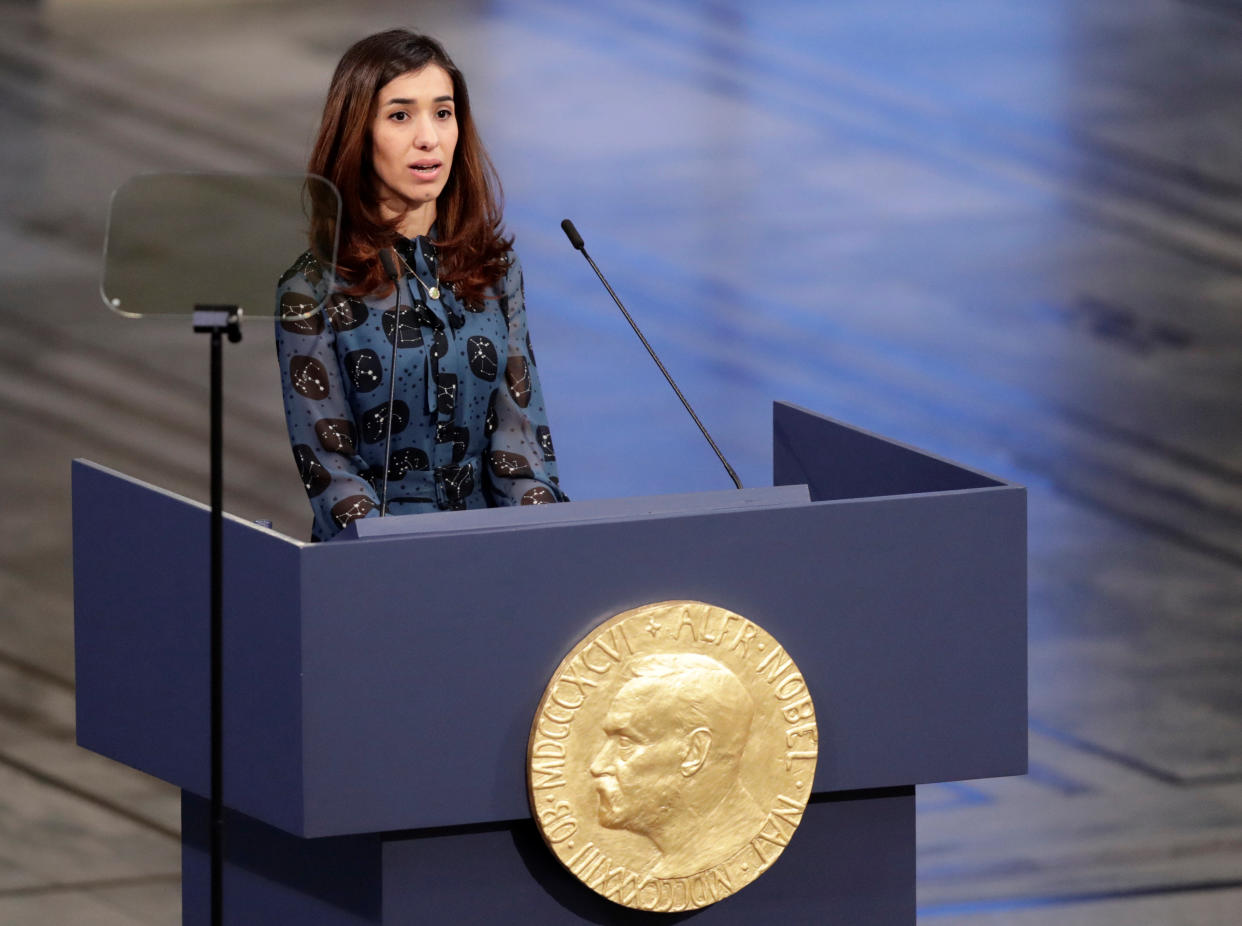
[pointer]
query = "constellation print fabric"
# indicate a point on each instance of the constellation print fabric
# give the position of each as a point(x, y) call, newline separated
point(469, 428)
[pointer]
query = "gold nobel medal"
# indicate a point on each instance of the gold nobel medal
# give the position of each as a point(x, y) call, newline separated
point(672, 756)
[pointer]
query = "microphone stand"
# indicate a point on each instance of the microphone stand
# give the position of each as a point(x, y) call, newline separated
point(393, 269)
point(576, 240)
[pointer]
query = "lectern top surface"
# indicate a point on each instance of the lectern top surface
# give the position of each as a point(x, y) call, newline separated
point(594, 510)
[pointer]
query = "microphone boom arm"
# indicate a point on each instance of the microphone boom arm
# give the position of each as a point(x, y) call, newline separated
point(576, 240)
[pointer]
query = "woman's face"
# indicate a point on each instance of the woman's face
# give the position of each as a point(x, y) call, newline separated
point(413, 136)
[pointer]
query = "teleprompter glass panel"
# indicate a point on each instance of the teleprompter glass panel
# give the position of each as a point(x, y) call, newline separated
point(177, 240)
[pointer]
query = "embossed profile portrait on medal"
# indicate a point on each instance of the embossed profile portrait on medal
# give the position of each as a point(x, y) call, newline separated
point(670, 766)
point(672, 756)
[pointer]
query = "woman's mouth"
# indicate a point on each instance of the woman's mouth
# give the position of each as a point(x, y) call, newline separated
point(425, 170)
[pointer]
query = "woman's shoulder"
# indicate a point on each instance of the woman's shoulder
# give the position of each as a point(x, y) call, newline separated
point(511, 285)
point(301, 296)
point(307, 271)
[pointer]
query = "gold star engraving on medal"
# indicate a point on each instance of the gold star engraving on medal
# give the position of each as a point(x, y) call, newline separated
point(671, 757)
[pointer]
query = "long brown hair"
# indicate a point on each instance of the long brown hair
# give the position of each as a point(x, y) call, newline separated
point(469, 233)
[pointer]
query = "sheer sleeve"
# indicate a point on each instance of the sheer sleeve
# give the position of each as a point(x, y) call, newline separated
point(521, 463)
point(321, 425)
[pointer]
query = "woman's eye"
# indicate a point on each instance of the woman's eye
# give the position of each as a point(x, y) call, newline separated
point(445, 114)
point(399, 116)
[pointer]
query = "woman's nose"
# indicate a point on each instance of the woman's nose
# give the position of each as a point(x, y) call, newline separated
point(425, 138)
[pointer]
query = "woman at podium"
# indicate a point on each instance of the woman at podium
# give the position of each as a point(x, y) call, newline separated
point(409, 380)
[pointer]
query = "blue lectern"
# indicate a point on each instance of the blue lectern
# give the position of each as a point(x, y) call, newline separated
point(378, 695)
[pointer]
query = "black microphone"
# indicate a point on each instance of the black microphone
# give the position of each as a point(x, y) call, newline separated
point(389, 263)
point(576, 240)
point(393, 269)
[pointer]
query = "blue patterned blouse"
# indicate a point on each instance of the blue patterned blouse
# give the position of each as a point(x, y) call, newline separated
point(469, 428)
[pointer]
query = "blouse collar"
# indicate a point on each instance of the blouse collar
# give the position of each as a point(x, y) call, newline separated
point(422, 256)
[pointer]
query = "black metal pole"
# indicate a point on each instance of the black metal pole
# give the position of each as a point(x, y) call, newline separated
point(217, 321)
point(217, 627)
